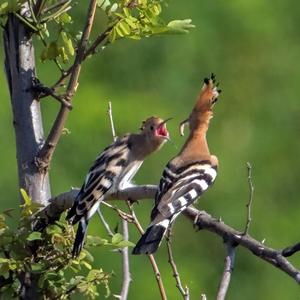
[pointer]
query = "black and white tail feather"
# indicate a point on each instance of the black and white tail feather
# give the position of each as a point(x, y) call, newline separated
point(101, 180)
point(178, 188)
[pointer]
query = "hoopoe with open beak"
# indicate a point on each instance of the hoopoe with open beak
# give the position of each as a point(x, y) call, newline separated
point(187, 176)
point(112, 171)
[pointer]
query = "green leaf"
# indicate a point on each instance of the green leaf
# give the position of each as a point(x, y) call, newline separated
point(95, 274)
point(3, 260)
point(67, 43)
point(103, 4)
point(65, 18)
point(86, 264)
point(124, 243)
point(27, 200)
point(35, 235)
point(3, 8)
point(37, 267)
point(180, 26)
point(117, 238)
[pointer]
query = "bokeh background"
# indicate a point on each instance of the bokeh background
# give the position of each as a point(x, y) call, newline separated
point(254, 48)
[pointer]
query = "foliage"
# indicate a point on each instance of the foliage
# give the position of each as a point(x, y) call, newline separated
point(47, 256)
point(131, 19)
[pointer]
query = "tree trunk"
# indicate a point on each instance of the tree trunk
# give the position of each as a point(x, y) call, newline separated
point(27, 120)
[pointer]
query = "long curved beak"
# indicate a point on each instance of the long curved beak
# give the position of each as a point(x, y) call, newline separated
point(181, 126)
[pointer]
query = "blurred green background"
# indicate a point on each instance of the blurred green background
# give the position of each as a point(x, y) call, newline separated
point(254, 48)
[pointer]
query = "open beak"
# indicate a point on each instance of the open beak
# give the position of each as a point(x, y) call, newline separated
point(181, 126)
point(161, 129)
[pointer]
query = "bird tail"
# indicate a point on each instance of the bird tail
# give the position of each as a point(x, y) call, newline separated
point(80, 237)
point(151, 239)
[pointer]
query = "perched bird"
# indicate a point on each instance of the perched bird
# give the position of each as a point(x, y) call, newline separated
point(187, 176)
point(112, 171)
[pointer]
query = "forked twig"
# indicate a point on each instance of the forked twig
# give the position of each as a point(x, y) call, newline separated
point(184, 291)
point(150, 256)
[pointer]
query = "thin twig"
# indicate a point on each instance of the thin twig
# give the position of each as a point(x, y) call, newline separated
point(101, 37)
point(109, 112)
point(123, 215)
point(55, 5)
point(184, 291)
point(228, 268)
point(125, 257)
point(45, 155)
point(251, 190)
point(90, 51)
point(47, 91)
point(151, 257)
point(105, 224)
point(289, 251)
point(126, 269)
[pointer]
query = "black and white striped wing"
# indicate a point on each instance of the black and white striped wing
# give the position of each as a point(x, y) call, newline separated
point(180, 187)
point(100, 180)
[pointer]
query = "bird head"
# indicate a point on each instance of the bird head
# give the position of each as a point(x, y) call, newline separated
point(202, 111)
point(155, 130)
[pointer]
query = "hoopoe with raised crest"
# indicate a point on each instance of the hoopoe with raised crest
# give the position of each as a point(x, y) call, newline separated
point(187, 176)
point(112, 171)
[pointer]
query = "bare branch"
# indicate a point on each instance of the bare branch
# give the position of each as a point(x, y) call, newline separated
point(126, 270)
point(105, 224)
point(228, 268)
point(124, 251)
point(109, 112)
point(251, 190)
point(48, 149)
point(184, 291)
point(270, 255)
point(289, 251)
point(150, 256)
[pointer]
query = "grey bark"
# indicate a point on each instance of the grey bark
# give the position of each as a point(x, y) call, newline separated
point(27, 120)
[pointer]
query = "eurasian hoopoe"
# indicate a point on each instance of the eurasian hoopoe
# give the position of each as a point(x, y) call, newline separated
point(112, 171)
point(187, 176)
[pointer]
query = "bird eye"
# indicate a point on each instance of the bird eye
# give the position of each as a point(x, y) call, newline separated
point(151, 127)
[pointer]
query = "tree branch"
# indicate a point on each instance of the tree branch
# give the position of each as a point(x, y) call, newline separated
point(228, 268)
point(48, 149)
point(201, 219)
point(204, 221)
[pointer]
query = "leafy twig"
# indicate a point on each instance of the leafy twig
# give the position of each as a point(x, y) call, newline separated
point(251, 189)
point(90, 51)
point(184, 291)
point(45, 155)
